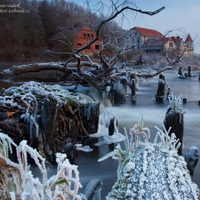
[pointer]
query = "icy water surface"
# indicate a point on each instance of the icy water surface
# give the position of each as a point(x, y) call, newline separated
point(128, 115)
point(153, 115)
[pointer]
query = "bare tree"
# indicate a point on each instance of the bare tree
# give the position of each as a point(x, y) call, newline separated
point(114, 10)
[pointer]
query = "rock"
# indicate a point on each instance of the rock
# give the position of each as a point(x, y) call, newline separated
point(191, 158)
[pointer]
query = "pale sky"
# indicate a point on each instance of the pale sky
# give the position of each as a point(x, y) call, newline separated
point(178, 14)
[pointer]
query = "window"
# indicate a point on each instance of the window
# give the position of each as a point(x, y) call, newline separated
point(96, 47)
point(51, 45)
point(88, 35)
point(92, 35)
point(84, 34)
point(171, 44)
point(79, 44)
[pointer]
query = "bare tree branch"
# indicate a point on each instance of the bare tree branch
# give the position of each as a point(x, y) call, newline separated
point(113, 17)
point(36, 67)
point(155, 74)
point(58, 53)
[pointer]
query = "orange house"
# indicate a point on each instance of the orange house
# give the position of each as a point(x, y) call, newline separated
point(80, 37)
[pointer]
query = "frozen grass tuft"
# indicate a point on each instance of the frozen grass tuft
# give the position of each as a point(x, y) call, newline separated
point(18, 183)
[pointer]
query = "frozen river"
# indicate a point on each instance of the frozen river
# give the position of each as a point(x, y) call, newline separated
point(153, 114)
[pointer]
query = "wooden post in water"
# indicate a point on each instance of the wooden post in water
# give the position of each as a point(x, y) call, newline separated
point(189, 71)
point(174, 119)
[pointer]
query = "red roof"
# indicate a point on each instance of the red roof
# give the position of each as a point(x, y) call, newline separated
point(188, 39)
point(149, 32)
point(59, 35)
point(76, 29)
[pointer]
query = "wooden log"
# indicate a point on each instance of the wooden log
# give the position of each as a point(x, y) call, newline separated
point(35, 67)
point(174, 120)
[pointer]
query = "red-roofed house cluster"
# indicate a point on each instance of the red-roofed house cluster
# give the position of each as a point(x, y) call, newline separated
point(153, 41)
point(79, 36)
point(137, 38)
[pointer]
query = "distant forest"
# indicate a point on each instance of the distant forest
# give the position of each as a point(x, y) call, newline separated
point(27, 24)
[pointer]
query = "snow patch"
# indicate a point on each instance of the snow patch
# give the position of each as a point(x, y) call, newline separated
point(105, 138)
point(83, 148)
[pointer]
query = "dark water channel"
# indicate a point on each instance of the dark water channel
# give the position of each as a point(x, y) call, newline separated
point(128, 114)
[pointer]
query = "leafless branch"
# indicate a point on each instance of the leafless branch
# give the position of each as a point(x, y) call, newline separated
point(58, 53)
point(70, 45)
point(113, 17)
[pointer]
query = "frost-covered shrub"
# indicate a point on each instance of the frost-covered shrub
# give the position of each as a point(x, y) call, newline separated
point(153, 171)
point(17, 181)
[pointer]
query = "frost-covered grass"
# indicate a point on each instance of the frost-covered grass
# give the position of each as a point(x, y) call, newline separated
point(176, 104)
point(151, 170)
point(17, 181)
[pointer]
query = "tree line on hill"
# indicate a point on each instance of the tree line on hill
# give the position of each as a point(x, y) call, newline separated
point(23, 34)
